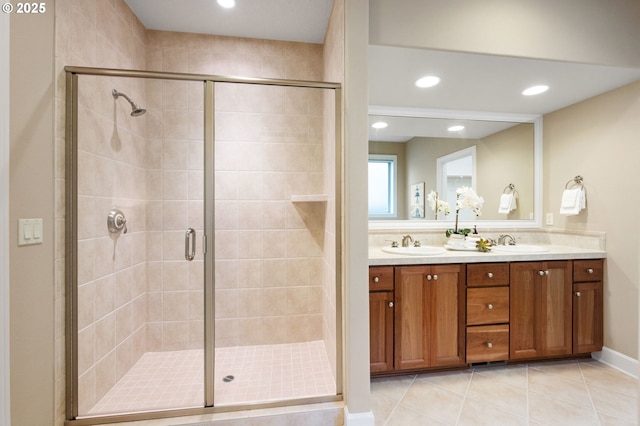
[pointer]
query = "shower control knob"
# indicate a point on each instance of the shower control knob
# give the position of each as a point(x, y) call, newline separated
point(116, 222)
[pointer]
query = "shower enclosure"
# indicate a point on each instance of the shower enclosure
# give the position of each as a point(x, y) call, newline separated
point(202, 243)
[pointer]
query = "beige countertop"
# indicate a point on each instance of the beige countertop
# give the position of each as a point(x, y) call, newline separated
point(378, 258)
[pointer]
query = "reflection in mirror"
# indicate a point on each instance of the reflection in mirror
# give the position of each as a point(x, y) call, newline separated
point(493, 157)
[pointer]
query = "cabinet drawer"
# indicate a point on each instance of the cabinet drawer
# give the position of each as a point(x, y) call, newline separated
point(487, 343)
point(587, 270)
point(487, 305)
point(380, 278)
point(487, 274)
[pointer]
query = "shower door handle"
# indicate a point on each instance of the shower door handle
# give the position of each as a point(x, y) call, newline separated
point(190, 249)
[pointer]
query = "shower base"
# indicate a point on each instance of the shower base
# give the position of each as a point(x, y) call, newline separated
point(166, 380)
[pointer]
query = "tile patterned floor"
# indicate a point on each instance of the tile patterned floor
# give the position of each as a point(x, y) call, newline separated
point(161, 380)
point(584, 392)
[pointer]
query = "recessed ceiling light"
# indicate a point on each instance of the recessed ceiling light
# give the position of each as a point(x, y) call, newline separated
point(379, 125)
point(227, 3)
point(455, 128)
point(535, 90)
point(428, 81)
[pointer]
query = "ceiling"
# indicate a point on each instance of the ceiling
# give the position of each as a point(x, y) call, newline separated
point(305, 22)
point(470, 82)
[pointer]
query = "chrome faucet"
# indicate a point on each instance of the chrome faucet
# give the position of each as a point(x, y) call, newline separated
point(502, 240)
point(406, 239)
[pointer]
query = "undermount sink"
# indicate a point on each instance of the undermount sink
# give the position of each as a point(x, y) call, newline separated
point(414, 251)
point(520, 248)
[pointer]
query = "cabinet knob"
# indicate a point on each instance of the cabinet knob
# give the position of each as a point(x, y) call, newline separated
point(376, 279)
point(490, 275)
point(489, 344)
point(489, 306)
point(541, 273)
point(589, 271)
point(429, 277)
point(391, 304)
point(578, 294)
point(435, 277)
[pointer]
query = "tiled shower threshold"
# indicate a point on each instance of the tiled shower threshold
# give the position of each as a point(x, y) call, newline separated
point(168, 380)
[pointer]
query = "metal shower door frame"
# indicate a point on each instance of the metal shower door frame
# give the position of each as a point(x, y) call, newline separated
point(71, 232)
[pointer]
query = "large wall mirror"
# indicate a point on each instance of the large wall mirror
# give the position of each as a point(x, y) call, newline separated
point(440, 151)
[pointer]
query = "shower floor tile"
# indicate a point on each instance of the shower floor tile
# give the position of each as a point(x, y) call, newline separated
point(163, 380)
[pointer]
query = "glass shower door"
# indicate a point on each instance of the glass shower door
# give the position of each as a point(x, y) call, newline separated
point(139, 227)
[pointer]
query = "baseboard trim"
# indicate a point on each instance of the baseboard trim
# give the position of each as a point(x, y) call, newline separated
point(620, 362)
point(358, 419)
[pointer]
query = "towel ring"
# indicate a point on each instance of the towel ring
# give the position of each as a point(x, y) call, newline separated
point(510, 189)
point(575, 181)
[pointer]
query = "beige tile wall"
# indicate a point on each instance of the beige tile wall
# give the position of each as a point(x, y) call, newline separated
point(333, 55)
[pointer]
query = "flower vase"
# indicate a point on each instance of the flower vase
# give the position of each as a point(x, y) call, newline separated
point(456, 240)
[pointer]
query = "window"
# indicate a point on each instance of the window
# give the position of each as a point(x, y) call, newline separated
point(382, 186)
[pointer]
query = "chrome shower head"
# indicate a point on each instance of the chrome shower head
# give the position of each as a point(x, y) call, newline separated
point(135, 109)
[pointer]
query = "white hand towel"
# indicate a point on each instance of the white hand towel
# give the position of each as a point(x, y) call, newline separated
point(507, 203)
point(573, 200)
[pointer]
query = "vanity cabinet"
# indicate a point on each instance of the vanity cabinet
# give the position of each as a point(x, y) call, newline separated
point(540, 320)
point(429, 316)
point(381, 305)
point(426, 317)
point(587, 306)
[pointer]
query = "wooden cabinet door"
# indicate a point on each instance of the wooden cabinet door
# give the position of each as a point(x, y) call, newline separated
point(587, 317)
point(556, 301)
point(412, 319)
point(540, 312)
point(447, 315)
point(381, 331)
point(429, 316)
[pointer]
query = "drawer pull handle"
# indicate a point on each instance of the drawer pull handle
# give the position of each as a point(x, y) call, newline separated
point(376, 279)
point(489, 306)
point(489, 344)
point(391, 304)
point(578, 294)
point(589, 271)
point(490, 275)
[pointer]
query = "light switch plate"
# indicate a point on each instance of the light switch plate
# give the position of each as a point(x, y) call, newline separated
point(29, 231)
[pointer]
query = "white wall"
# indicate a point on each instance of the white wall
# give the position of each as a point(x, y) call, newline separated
point(592, 31)
point(356, 283)
point(598, 139)
point(31, 181)
point(5, 414)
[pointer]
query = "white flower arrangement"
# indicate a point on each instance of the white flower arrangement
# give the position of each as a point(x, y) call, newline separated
point(466, 198)
point(438, 205)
